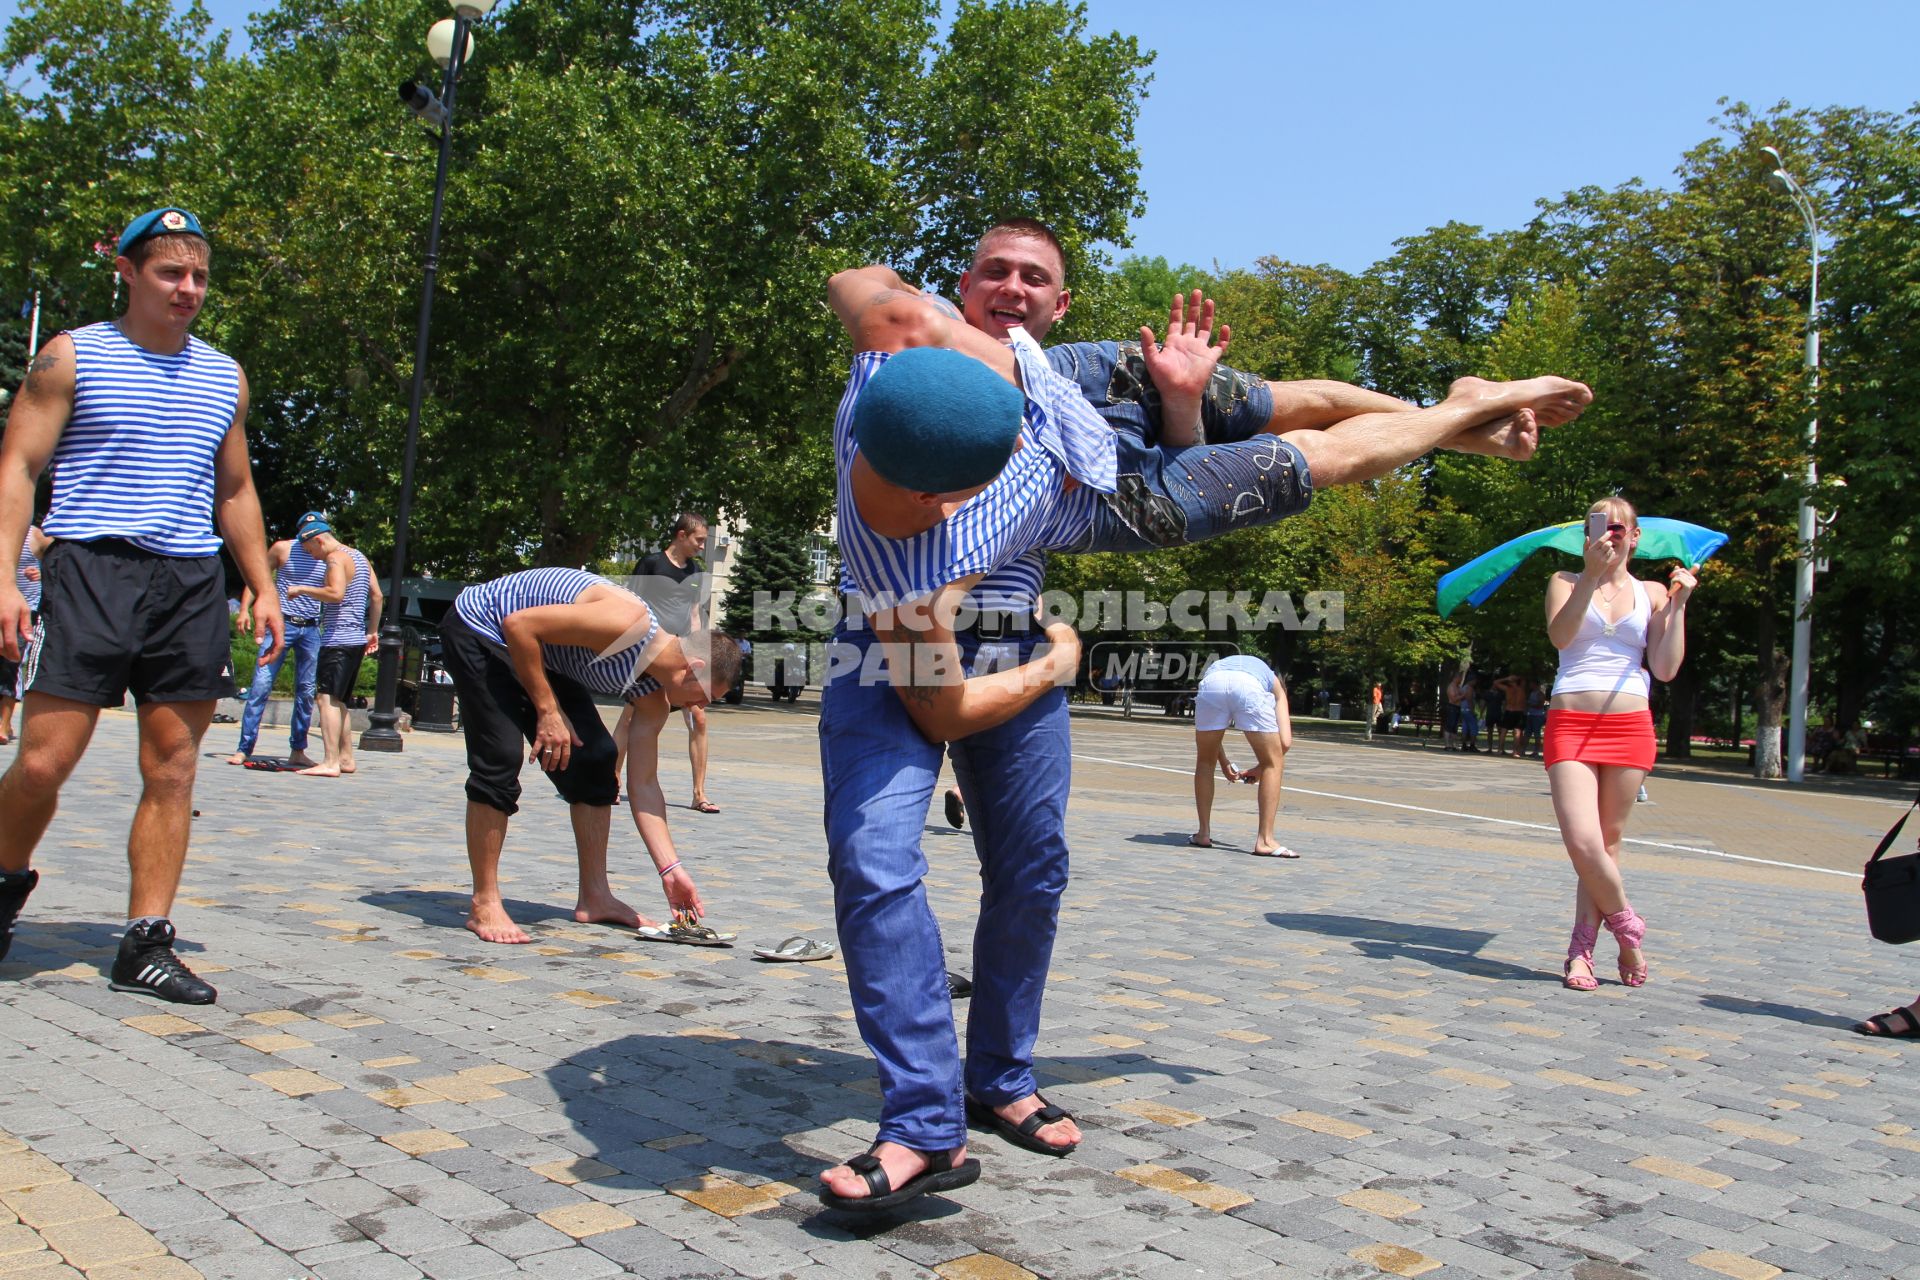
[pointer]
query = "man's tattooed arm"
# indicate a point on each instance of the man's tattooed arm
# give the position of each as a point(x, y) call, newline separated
point(42, 363)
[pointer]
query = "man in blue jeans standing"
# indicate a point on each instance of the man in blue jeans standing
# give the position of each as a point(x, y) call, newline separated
point(293, 565)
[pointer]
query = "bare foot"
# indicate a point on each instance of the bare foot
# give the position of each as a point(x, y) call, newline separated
point(1200, 840)
point(902, 1166)
point(322, 771)
point(1554, 401)
point(491, 923)
point(1515, 436)
point(300, 760)
point(1060, 1133)
point(606, 909)
point(349, 767)
point(238, 757)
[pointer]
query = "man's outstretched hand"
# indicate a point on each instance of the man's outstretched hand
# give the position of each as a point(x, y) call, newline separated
point(1181, 367)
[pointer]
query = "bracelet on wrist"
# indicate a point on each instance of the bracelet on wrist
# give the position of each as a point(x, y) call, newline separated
point(670, 868)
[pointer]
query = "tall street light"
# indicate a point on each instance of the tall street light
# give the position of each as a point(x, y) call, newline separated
point(1796, 762)
point(450, 41)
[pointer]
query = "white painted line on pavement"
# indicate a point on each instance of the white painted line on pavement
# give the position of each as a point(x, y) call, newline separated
point(1505, 822)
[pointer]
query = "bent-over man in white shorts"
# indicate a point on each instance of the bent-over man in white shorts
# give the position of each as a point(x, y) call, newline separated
point(1241, 692)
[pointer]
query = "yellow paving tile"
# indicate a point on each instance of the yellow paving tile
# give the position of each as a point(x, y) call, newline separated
point(982, 1266)
point(456, 1089)
point(1323, 1124)
point(1682, 1051)
point(418, 953)
point(1131, 1002)
point(1528, 1029)
point(404, 1096)
point(709, 1033)
point(723, 1196)
point(1117, 1042)
point(420, 1142)
point(1151, 979)
point(1207, 1195)
point(588, 999)
point(1893, 1130)
point(387, 1064)
point(296, 1083)
point(487, 973)
point(1758, 1130)
point(1389, 1046)
point(1384, 1203)
point(22, 1169)
point(275, 1042)
point(583, 1220)
point(579, 1169)
point(1245, 1037)
point(15, 1238)
point(345, 926)
point(1900, 1143)
point(1588, 1082)
point(276, 1017)
point(87, 1245)
point(56, 1203)
point(1172, 1117)
point(1683, 1172)
point(493, 1073)
point(162, 1268)
point(1394, 1260)
point(674, 1141)
point(1737, 1265)
point(1192, 997)
point(1809, 1091)
point(1842, 1078)
point(1410, 1028)
point(162, 1024)
point(41, 1264)
point(651, 975)
point(1475, 1079)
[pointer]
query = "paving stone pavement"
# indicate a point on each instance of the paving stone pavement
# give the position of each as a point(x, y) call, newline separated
point(1358, 1064)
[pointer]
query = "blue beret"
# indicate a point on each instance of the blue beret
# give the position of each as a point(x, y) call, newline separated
point(935, 421)
point(310, 525)
point(167, 221)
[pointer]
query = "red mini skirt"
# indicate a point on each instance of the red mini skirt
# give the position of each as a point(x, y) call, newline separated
point(1595, 737)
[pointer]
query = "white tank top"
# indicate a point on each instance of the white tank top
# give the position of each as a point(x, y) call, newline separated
point(1609, 656)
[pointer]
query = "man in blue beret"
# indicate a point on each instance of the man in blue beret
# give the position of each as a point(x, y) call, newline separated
point(941, 551)
point(145, 427)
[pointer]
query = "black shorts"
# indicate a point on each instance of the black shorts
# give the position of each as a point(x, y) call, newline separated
point(115, 619)
point(497, 716)
point(1513, 719)
point(339, 668)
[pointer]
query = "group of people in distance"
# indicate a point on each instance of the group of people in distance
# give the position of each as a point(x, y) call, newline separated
point(964, 453)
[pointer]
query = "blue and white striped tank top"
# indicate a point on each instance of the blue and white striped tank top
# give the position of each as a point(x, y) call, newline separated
point(995, 531)
point(29, 587)
point(300, 570)
point(618, 675)
point(346, 623)
point(136, 458)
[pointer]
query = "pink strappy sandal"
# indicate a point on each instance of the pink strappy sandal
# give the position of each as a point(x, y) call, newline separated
point(1580, 947)
point(1629, 930)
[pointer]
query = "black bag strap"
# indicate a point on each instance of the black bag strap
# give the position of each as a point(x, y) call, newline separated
point(1887, 841)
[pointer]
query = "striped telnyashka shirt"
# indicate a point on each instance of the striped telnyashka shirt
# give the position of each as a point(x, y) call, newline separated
point(345, 623)
point(997, 531)
point(486, 605)
point(300, 570)
point(136, 458)
point(29, 587)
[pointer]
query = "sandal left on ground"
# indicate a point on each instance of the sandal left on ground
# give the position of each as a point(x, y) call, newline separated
point(1895, 1024)
point(1024, 1132)
point(944, 1171)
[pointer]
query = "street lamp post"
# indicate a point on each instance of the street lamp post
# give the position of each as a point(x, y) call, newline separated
point(1803, 568)
point(451, 43)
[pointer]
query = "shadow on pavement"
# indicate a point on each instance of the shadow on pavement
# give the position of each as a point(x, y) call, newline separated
point(1441, 947)
point(1771, 1009)
point(40, 948)
point(1168, 838)
point(674, 1112)
point(441, 908)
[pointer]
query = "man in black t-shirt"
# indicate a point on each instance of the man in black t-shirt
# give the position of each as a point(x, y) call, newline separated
point(672, 582)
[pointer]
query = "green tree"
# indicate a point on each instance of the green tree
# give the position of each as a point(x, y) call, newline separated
point(774, 572)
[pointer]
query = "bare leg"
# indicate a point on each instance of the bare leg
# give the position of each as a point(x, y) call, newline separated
point(170, 735)
point(6, 719)
point(486, 834)
point(1272, 757)
point(1206, 752)
point(620, 729)
point(1576, 804)
point(592, 824)
point(1373, 444)
point(1618, 787)
point(333, 722)
point(696, 718)
point(53, 739)
point(1316, 404)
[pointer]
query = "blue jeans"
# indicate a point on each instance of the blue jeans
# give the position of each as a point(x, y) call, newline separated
point(879, 776)
point(1237, 405)
point(304, 644)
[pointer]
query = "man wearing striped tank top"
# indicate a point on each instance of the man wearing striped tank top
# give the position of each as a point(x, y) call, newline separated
point(27, 577)
point(292, 565)
point(528, 653)
point(350, 604)
point(145, 427)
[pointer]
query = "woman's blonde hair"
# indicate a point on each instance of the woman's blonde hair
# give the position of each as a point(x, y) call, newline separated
point(1618, 508)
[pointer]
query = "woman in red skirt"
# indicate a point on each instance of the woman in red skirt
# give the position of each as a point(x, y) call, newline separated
point(1610, 628)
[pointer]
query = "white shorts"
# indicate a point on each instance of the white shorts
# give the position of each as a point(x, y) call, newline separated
point(1234, 700)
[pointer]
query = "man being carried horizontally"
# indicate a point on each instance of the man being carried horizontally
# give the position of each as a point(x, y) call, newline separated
point(527, 652)
point(950, 484)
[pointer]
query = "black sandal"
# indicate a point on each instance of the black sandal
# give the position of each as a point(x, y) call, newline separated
point(1024, 1133)
point(1881, 1024)
point(944, 1172)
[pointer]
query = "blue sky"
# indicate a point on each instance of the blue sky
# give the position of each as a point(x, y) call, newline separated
point(1323, 132)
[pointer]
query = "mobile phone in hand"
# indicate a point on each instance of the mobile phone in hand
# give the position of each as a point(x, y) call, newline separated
point(1596, 525)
